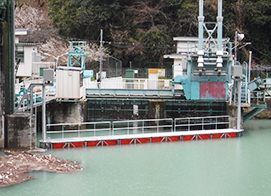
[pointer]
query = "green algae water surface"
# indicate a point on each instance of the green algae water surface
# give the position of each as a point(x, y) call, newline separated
point(238, 166)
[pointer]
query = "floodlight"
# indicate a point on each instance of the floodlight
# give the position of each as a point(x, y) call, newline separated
point(240, 36)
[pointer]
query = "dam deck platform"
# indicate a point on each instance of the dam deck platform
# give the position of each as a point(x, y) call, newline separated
point(140, 138)
point(108, 133)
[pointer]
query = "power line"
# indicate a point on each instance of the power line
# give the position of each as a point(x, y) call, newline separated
point(135, 44)
point(259, 50)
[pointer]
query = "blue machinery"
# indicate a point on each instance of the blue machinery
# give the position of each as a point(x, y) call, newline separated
point(77, 54)
point(77, 57)
point(209, 68)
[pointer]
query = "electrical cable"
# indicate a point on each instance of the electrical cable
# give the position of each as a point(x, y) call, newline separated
point(258, 50)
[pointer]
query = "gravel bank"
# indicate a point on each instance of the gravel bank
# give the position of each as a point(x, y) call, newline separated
point(13, 167)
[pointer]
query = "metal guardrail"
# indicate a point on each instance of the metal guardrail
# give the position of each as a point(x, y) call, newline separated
point(107, 128)
point(201, 123)
point(78, 128)
point(130, 83)
point(23, 102)
point(142, 83)
point(142, 126)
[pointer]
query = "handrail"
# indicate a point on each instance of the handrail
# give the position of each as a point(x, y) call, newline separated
point(80, 129)
point(24, 102)
point(130, 83)
point(143, 126)
point(195, 122)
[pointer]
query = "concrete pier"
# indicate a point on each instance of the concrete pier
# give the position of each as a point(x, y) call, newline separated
point(232, 112)
point(6, 76)
point(62, 112)
point(156, 109)
point(21, 131)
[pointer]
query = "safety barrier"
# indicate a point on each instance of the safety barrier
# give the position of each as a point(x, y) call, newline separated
point(129, 83)
point(84, 129)
point(142, 126)
point(201, 123)
point(128, 127)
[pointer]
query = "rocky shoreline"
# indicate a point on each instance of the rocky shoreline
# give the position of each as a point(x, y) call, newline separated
point(13, 167)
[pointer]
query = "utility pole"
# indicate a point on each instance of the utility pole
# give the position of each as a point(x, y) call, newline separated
point(101, 57)
point(235, 45)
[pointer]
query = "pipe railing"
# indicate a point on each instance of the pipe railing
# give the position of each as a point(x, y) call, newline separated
point(80, 129)
point(131, 83)
point(144, 126)
point(201, 123)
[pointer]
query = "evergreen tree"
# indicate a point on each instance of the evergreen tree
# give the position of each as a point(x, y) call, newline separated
point(142, 30)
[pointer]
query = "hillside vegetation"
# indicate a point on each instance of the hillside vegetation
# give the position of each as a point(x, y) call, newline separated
point(141, 31)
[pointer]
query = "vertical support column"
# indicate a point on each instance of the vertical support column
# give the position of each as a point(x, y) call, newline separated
point(2, 84)
point(201, 20)
point(43, 114)
point(31, 99)
point(219, 52)
point(83, 62)
point(101, 56)
point(239, 104)
point(249, 68)
point(220, 27)
point(200, 43)
point(235, 46)
point(7, 67)
point(11, 57)
point(69, 56)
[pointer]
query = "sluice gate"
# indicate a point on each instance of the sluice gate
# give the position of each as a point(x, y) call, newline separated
point(129, 108)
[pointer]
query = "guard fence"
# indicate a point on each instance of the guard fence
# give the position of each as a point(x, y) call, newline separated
point(127, 127)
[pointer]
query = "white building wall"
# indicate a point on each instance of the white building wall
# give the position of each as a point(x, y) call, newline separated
point(177, 62)
point(25, 68)
point(16, 39)
point(184, 47)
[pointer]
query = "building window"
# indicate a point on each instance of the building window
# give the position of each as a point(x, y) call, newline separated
point(19, 54)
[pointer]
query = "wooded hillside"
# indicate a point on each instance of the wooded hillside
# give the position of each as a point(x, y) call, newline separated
point(142, 30)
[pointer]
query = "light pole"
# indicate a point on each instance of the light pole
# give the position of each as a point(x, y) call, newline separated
point(238, 37)
point(249, 68)
point(101, 57)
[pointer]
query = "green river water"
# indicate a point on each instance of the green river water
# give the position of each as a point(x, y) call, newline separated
point(238, 166)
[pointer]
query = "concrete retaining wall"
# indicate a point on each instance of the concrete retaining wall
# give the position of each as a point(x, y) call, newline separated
point(66, 112)
point(21, 131)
